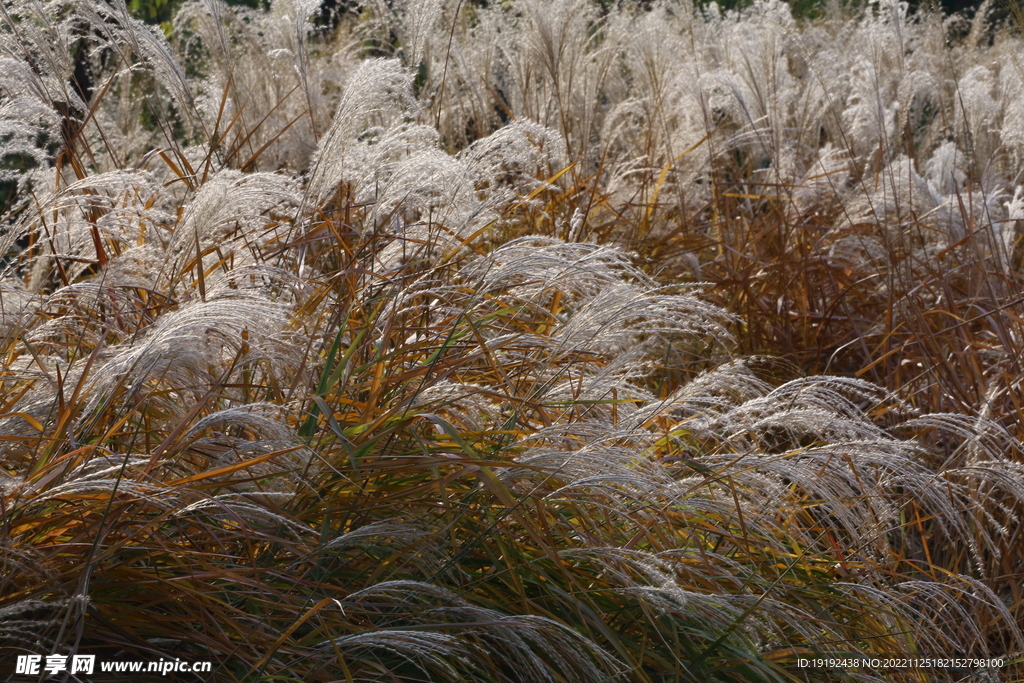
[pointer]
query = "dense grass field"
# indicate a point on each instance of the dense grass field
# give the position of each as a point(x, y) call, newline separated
point(518, 342)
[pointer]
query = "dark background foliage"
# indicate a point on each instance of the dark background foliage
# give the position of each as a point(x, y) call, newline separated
point(161, 11)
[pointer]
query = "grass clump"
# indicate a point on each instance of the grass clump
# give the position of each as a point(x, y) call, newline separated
point(484, 344)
